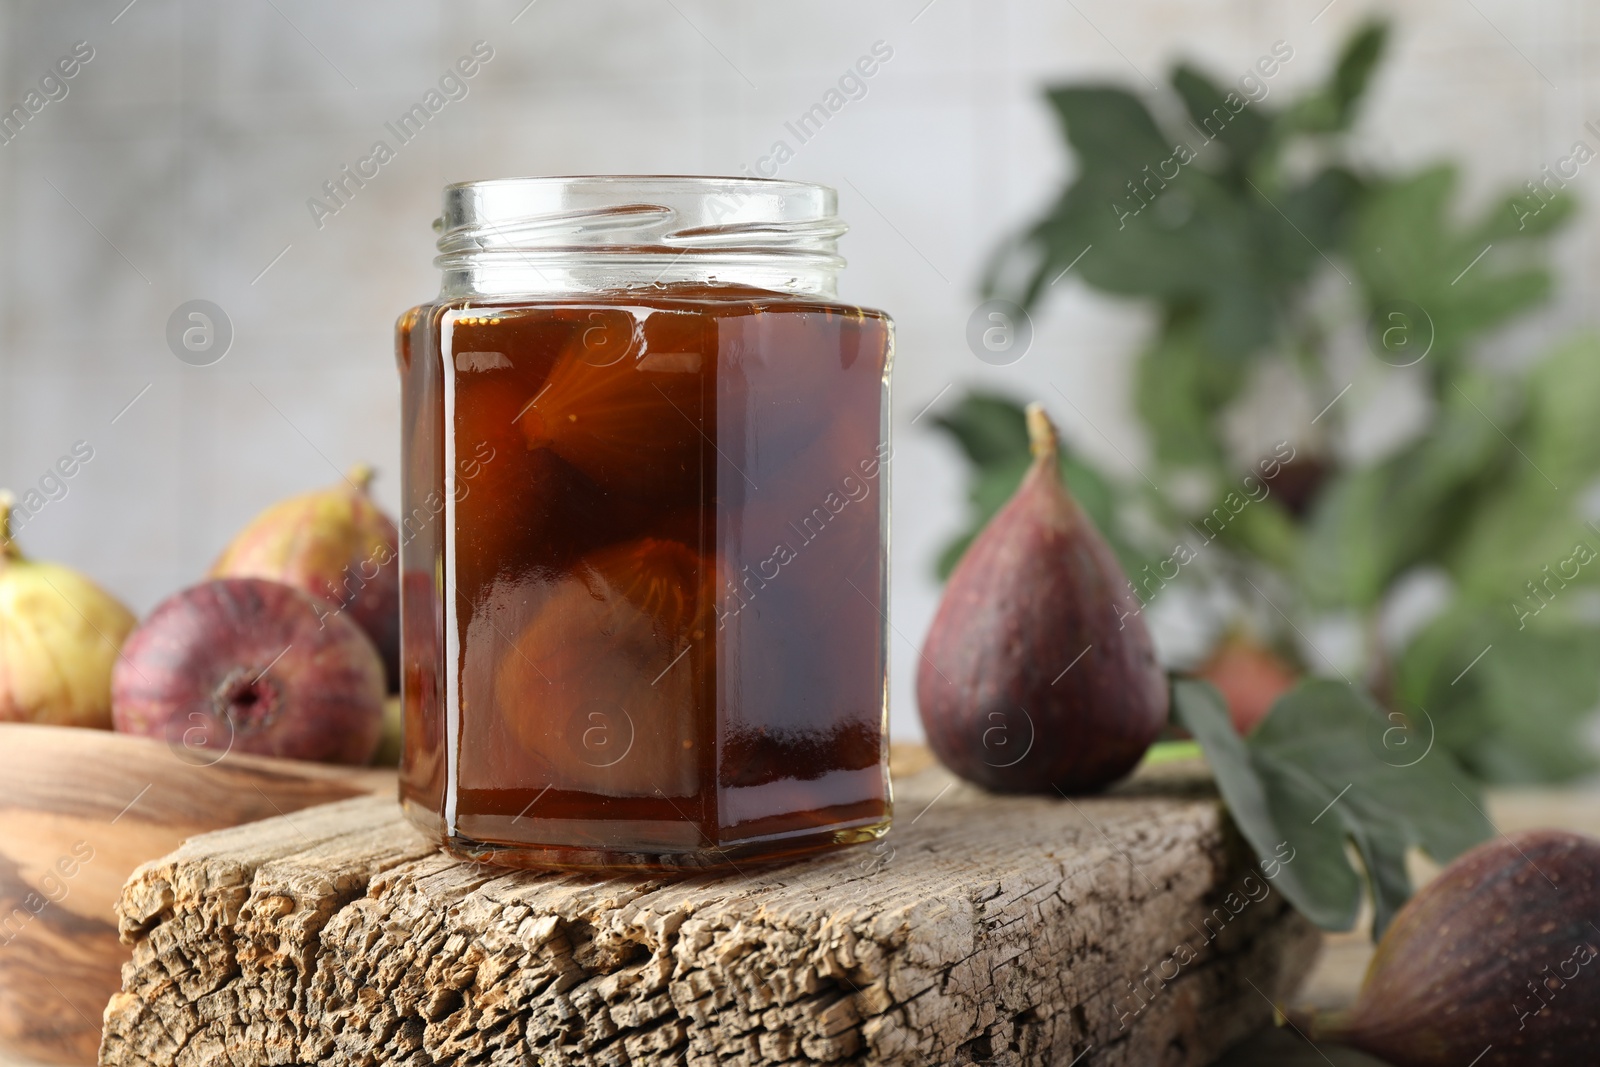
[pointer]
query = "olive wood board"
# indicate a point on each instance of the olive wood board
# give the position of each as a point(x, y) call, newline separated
point(982, 929)
point(79, 810)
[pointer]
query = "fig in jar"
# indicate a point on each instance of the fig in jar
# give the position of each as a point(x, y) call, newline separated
point(598, 688)
point(622, 403)
point(516, 503)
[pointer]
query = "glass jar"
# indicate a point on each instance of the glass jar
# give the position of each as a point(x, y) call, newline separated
point(645, 535)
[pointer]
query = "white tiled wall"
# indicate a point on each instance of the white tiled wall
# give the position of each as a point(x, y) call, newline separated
point(179, 164)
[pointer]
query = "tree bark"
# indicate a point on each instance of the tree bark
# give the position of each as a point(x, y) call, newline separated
point(981, 930)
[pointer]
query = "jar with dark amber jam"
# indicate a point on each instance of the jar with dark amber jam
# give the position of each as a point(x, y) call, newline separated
point(645, 527)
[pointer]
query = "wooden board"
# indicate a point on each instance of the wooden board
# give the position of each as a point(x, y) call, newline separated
point(80, 810)
point(981, 930)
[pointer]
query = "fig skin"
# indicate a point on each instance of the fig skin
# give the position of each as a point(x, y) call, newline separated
point(1475, 949)
point(335, 544)
point(59, 636)
point(1250, 677)
point(249, 665)
point(1037, 587)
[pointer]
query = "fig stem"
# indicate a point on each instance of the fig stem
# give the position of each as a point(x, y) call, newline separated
point(8, 547)
point(1043, 441)
point(361, 476)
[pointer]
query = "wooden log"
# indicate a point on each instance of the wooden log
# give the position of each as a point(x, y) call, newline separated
point(981, 930)
point(81, 809)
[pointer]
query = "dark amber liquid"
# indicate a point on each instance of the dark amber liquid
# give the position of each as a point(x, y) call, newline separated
point(644, 576)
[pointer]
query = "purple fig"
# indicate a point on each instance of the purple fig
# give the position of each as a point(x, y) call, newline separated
point(335, 544)
point(1489, 964)
point(1038, 673)
point(248, 665)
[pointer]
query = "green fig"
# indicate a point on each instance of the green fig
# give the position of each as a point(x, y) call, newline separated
point(335, 544)
point(59, 636)
point(1490, 964)
point(1038, 674)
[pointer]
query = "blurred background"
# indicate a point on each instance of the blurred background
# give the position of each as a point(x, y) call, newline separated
point(178, 160)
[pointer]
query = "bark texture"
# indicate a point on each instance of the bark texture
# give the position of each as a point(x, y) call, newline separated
point(981, 930)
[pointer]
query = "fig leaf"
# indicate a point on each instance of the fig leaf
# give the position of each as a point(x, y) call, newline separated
point(1406, 242)
point(1511, 701)
point(1325, 767)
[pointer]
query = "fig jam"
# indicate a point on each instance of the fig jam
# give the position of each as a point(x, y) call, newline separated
point(644, 559)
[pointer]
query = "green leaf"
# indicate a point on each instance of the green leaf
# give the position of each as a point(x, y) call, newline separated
point(1528, 216)
point(1266, 531)
point(1511, 702)
point(1405, 246)
point(990, 487)
point(1354, 69)
point(1320, 210)
point(1244, 133)
point(1110, 127)
point(1373, 523)
point(1333, 107)
point(989, 428)
point(1314, 775)
point(1147, 220)
point(1178, 390)
point(1530, 520)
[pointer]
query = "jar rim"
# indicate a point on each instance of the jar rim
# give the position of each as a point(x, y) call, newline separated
point(530, 234)
point(619, 179)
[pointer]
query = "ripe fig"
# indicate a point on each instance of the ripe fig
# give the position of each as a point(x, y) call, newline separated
point(1250, 677)
point(1038, 673)
point(1487, 964)
point(248, 665)
point(59, 635)
point(335, 544)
